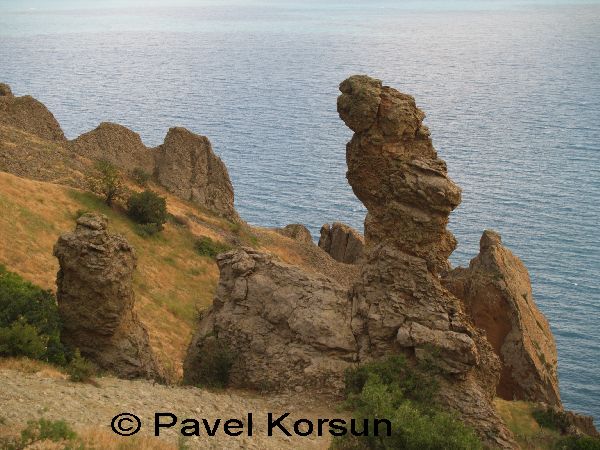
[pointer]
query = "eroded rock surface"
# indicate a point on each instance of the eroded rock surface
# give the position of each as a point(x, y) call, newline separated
point(187, 167)
point(117, 144)
point(496, 291)
point(297, 232)
point(342, 242)
point(26, 113)
point(96, 299)
point(286, 328)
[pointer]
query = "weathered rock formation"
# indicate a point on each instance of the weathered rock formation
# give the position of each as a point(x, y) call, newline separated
point(496, 291)
point(187, 166)
point(297, 232)
point(117, 144)
point(33, 145)
point(27, 114)
point(287, 329)
point(96, 299)
point(342, 242)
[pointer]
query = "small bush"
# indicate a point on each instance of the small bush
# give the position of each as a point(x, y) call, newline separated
point(404, 395)
point(148, 207)
point(146, 229)
point(107, 181)
point(578, 443)
point(81, 212)
point(140, 176)
point(217, 360)
point(205, 246)
point(42, 430)
point(29, 320)
point(80, 369)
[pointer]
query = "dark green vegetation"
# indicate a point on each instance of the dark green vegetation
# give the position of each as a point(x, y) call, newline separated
point(216, 364)
point(405, 395)
point(148, 209)
point(43, 430)
point(205, 246)
point(558, 421)
point(29, 321)
point(30, 326)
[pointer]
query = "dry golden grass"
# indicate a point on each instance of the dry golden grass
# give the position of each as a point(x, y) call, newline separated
point(26, 365)
point(95, 439)
point(518, 417)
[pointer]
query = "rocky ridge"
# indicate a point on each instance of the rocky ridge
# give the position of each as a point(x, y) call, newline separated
point(96, 299)
point(342, 242)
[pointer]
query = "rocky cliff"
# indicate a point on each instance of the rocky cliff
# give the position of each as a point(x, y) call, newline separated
point(96, 300)
point(496, 292)
point(184, 164)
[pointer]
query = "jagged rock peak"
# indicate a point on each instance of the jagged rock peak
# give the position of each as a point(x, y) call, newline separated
point(496, 291)
point(5, 90)
point(187, 166)
point(95, 299)
point(117, 144)
point(342, 242)
point(395, 171)
point(297, 232)
point(28, 114)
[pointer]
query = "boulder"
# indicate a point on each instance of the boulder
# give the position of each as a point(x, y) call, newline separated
point(286, 328)
point(342, 242)
point(496, 292)
point(297, 232)
point(96, 300)
point(28, 114)
point(116, 144)
point(188, 168)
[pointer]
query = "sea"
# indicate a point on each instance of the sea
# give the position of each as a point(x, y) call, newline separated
point(511, 90)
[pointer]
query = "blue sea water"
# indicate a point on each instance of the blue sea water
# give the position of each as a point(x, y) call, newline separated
point(511, 90)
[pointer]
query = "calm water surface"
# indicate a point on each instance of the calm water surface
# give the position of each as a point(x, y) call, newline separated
point(511, 89)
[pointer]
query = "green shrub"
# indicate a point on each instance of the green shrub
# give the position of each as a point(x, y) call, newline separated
point(42, 430)
point(29, 320)
point(107, 181)
point(205, 246)
point(394, 390)
point(551, 419)
point(80, 369)
point(578, 443)
point(140, 176)
point(146, 229)
point(148, 207)
point(217, 360)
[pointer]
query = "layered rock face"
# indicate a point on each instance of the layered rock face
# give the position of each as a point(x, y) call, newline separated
point(117, 144)
point(27, 114)
point(187, 166)
point(297, 232)
point(342, 242)
point(399, 303)
point(287, 329)
point(496, 291)
point(96, 299)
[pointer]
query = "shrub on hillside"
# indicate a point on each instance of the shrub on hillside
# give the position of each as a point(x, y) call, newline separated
point(404, 395)
point(107, 181)
point(140, 176)
point(148, 208)
point(217, 360)
point(29, 320)
point(80, 369)
point(42, 430)
point(205, 246)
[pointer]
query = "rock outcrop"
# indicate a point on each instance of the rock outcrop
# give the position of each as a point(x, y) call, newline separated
point(96, 299)
point(496, 292)
point(187, 167)
point(342, 242)
point(297, 232)
point(28, 114)
point(399, 303)
point(117, 144)
point(287, 329)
